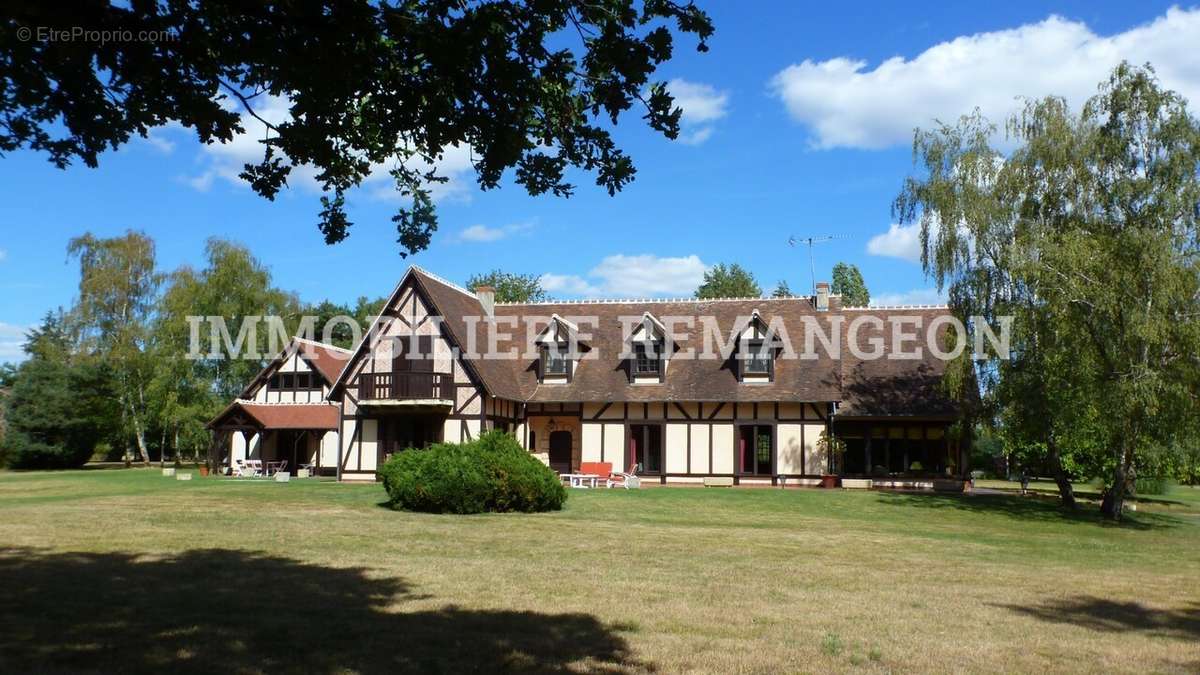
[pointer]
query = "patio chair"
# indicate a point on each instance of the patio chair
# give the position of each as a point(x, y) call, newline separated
point(244, 470)
point(624, 479)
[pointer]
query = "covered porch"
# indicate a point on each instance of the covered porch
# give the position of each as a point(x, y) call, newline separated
point(276, 437)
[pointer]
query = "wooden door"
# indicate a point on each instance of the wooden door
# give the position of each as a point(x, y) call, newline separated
point(560, 451)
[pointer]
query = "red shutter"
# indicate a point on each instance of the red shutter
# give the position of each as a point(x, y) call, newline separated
point(632, 467)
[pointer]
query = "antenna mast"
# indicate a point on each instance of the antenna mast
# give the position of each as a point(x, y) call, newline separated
point(792, 241)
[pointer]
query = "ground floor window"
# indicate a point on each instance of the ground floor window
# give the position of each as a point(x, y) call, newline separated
point(397, 434)
point(914, 449)
point(646, 448)
point(755, 447)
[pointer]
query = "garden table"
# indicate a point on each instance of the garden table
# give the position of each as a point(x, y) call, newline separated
point(578, 480)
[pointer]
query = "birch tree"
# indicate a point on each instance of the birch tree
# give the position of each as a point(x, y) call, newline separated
point(1087, 234)
point(118, 288)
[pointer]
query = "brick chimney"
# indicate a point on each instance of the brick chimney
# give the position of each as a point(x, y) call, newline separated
point(822, 296)
point(487, 298)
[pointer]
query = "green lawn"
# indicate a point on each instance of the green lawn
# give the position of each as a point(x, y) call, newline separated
point(127, 570)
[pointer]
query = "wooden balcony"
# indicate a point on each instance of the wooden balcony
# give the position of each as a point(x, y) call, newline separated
point(404, 386)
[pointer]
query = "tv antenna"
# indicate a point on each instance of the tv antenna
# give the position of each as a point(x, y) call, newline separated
point(793, 240)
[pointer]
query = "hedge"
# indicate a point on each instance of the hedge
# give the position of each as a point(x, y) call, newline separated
point(490, 474)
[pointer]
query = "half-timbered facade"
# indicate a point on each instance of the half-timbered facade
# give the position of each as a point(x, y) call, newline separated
point(627, 382)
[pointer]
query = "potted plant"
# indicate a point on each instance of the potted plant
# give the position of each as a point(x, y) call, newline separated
point(833, 448)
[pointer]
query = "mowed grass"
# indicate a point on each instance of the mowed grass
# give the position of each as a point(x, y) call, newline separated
point(126, 570)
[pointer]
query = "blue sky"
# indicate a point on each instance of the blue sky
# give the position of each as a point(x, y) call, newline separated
point(796, 122)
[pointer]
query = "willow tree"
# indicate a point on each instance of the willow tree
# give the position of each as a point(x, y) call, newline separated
point(1086, 233)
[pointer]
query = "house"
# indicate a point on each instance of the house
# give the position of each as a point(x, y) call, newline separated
point(675, 390)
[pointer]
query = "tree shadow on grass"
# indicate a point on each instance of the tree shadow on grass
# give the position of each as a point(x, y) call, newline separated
point(1118, 617)
point(215, 610)
point(1030, 508)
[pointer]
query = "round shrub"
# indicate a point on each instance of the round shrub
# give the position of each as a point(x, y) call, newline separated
point(491, 473)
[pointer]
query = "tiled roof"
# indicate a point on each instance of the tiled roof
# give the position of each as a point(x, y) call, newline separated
point(864, 387)
point(327, 359)
point(313, 416)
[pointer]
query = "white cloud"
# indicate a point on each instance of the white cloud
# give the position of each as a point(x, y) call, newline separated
point(568, 284)
point(900, 241)
point(702, 105)
point(917, 296)
point(161, 143)
point(845, 104)
point(695, 137)
point(227, 160)
point(12, 338)
point(638, 276)
point(484, 234)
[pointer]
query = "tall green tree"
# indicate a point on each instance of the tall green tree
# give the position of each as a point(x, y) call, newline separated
point(782, 290)
point(511, 287)
point(532, 87)
point(1088, 235)
point(728, 281)
point(118, 288)
point(61, 408)
point(848, 282)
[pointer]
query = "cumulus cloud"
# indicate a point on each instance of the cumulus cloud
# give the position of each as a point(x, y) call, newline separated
point(702, 104)
point(917, 296)
point(483, 234)
point(627, 276)
point(844, 103)
point(12, 338)
point(900, 241)
point(224, 161)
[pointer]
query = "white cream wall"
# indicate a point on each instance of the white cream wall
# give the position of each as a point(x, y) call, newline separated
point(815, 460)
point(694, 444)
point(675, 447)
point(359, 437)
point(722, 443)
point(293, 364)
point(790, 448)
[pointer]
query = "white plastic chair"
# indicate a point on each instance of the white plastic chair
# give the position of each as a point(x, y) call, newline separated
point(626, 480)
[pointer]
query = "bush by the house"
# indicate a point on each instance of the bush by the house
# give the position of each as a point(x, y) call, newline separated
point(491, 473)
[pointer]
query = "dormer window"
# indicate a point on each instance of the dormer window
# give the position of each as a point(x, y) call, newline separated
point(555, 359)
point(646, 359)
point(556, 353)
point(758, 359)
point(756, 352)
point(647, 351)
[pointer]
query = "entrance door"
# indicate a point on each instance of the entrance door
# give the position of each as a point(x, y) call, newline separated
point(397, 434)
point(755, 452)
point(560, 451)
point(646, 448)
point(290, 446)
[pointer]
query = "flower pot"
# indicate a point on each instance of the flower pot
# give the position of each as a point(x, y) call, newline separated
point(829, 481)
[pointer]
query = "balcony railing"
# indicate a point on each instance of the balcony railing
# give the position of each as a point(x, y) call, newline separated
point(402, 386)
